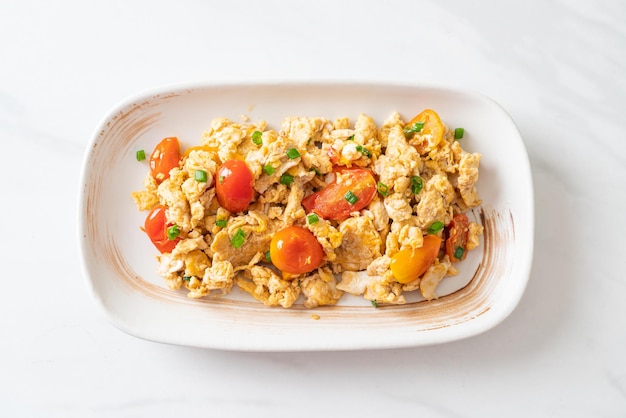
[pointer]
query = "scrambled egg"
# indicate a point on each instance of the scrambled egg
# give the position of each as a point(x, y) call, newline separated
point(358, 251)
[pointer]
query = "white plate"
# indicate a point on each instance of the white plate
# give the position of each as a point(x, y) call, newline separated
point(120, 264)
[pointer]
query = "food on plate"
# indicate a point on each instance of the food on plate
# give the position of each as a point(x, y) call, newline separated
point(313, 210)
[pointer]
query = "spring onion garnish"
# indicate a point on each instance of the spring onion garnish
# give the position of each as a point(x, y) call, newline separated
point(269, 170)
point(292, 153)
point(416, 184)
point(458, 253)
point(382, 188)
point(350, 138)
point(312, 218)
point(410, 130)
point(317, 172)
point(458, 133)
point(363, 150)
point(141, 155)
point(173, 232)
point(268, 257)
point(374, 304)
point(286, 179)
point(257, 137)
point(221, 223)
point(238, 239)
point(201, 176)
point(221, 179)
point(186, 278)
point(435, 227)
point(351, 197)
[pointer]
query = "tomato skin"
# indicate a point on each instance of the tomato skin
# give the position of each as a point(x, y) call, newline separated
point(295, 250)
point(457, 233)
point(165, 156)
point(330, 202)
point(234, 185)
point(407, 265)
point(432, 126)
point(156, 227)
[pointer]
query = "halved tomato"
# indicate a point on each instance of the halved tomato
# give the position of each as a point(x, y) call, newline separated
point(457, 232)
point(408, 265)
point(430, 125)
point(156, 227)
point(165, 156)
point(352, 190)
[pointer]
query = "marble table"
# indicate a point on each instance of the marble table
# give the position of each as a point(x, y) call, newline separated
point(557, 67)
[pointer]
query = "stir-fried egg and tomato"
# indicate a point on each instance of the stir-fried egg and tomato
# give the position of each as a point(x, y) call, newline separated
point(316, 209)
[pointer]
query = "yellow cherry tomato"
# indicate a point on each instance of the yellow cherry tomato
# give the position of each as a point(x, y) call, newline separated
point(429, 125)
point(408, 265)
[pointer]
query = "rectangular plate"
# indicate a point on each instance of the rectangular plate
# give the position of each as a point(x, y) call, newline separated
point(119, 262)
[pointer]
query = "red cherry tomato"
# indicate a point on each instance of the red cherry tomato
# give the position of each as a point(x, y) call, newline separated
point(234, 185)
point(165, 156)
point(295, 250)
point(457, 232)
point(156, 227)
point(337, 200)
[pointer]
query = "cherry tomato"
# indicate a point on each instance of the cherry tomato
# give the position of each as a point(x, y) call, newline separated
point(432, 126)
point(295, 250)
point(156, 227)
point(408, 265)
point(209, 149)
point(234, 185)
point(165, 156)
point(457, 232)
point(337, 200)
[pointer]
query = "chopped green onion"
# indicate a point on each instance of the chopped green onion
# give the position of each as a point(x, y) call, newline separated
point(363, 150)
point(458, 133)
point(374, 304)
point(308, 141)
point(268, 257)
point(201, 176)
point(350, 138)
point(286, 179)
point(221, 223)
point(312, 218)
point(186, 278)
point(141, 155)
point(173, 232)
point(458, 253)
point(409, 131)
point(292, 153)
point(221, 179)
point(351, 197)
point(257, 137)
point(238, 239)
point(416, 184)
point(269, 170)
point(317, 172)
point(382, 188)
point(435, 227)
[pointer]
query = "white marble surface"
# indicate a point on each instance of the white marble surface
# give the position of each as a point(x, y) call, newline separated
point(558, 67)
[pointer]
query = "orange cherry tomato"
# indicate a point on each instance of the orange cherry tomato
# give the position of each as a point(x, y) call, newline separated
point(165, 156)
point(457, 232)
point(407, 265)
point(337, 200)
point(156, 227)
point(295, 250)
point(234, 185)
point(432, 126)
